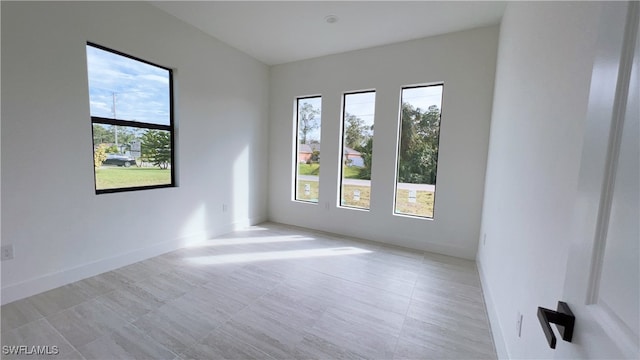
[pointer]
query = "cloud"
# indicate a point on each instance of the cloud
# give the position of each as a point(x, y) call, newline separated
point(140, 91)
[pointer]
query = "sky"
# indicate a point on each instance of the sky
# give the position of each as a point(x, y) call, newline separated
point(423, 97)
point(362, 105)
point(141, 90)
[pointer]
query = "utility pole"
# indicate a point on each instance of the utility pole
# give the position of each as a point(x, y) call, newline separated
point(115, 127)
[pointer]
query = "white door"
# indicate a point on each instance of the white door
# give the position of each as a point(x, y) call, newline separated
point(602, 283)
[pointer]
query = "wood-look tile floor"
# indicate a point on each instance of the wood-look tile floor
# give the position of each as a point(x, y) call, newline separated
point(269, 292)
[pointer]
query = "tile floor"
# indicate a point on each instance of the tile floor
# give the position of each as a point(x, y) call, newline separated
point(269, 292)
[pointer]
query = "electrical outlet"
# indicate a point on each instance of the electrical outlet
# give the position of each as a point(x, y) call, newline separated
point(7, 252)
point(519, 324)
point(484, 239)
point(224, 208)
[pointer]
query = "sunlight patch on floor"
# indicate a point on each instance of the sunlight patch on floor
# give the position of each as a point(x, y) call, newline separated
point(250, 240)
point(275, 255)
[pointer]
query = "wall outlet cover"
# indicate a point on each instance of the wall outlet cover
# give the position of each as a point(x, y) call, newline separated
point(6, 252)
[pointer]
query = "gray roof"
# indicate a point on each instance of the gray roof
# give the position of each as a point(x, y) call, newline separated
point(309, 148)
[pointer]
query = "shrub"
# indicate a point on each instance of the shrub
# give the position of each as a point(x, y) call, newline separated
point(99, 155)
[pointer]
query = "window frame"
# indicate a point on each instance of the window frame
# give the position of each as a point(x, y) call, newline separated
point(138, 124)
point(399, 144)
point(296, 149)
point(341, 154)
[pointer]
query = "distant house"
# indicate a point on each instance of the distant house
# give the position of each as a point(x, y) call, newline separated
point(352, 157)
point(305, 151)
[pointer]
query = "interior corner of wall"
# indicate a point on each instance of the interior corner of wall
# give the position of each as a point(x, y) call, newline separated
point(492, 313)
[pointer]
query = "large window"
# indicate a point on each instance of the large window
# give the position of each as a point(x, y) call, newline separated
point(307, 162)
point(358, 113)
point(131, 105)
point(418, 150)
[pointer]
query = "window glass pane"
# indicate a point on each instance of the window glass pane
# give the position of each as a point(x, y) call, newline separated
point(418, 150)
point(141, 157)
point(357, 145)
point(127, 89)
point(308, 123)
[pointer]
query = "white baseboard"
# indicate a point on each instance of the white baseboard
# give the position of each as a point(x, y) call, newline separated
point(50, 281)
point(494, 323)
point(442, 249)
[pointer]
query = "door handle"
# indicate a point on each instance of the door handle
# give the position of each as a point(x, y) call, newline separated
point(564, 320)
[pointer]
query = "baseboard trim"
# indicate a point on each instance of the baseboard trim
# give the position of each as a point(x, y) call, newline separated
point(50, 281)
point(426, 246)
point(494, 323)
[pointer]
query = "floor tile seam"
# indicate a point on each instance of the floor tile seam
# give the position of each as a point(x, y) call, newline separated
point(180, 341)
point(362, 284)
point(443, 329)
point(404, 319)
point(64, 338)
point(398, 279)
point(357, 351)
point(320, 315)
point(148, 338)
point(141, 288)
point(82, 303)
point(231, 316)
point(133, 282)
point(127, 321)
point(219, 328)
point(255, 301)
point(35, 307)
point(27, 323)
point(19, 327)
point(470, 323)
point(216, 327)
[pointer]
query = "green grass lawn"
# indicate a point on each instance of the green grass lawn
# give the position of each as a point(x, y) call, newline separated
point(351, 172)
point(308, 169)
point(108, 177)
point(422, 207)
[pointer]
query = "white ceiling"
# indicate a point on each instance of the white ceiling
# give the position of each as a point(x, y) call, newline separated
point(277, 32)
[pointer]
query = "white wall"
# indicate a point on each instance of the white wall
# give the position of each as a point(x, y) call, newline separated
point(465, 62)
point(545, 59)
point(61, 230)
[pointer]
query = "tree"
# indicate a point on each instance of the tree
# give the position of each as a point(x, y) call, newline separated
point(419, 144)
point(105, 134)
point(366, 153)
point(355, 132)
point(126, 135)
point(102, 135)
point(156, 148)
point(307, 122)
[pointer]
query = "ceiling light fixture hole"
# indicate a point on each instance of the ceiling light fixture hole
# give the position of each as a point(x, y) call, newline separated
point(331, 19)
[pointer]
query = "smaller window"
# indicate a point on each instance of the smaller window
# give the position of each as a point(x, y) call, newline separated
point(307, 160)
point(132, 116)
point(418, 145)
point(358, 113)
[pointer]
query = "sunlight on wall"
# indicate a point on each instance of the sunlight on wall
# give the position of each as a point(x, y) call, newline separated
point(194, 229)
point(240, 186)
point(275, 255)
